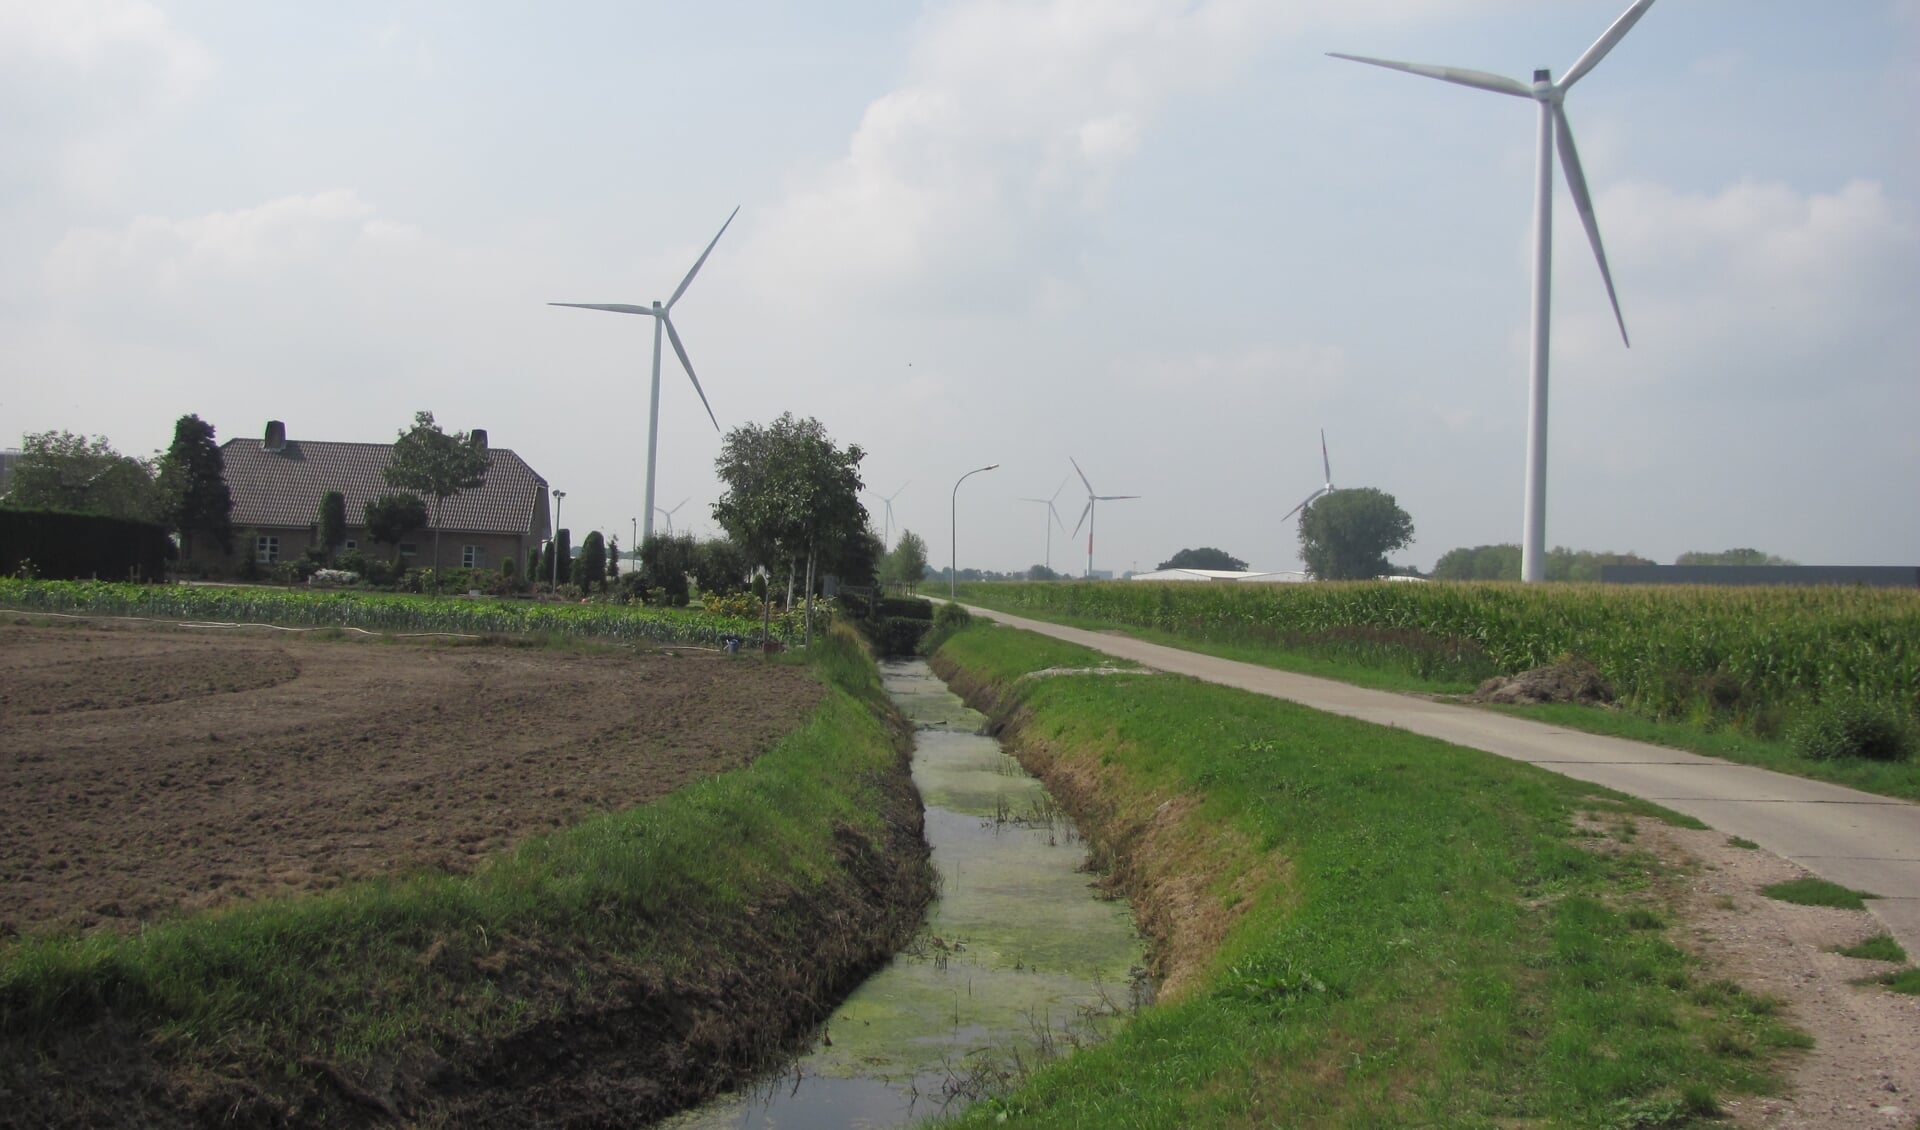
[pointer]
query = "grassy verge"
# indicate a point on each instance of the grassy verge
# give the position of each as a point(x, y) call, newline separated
point(1372, 928)
point(1401, 662)
point(647, 954)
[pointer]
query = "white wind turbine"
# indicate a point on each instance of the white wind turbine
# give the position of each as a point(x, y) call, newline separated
point(1553, 132)
point(1086, 516)
point(662, 321)
point(1327, 489)
point(668, 514)
point(886, 500)
point(1053, 519)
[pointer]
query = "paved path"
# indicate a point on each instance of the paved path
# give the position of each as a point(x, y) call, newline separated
point(1867, 842)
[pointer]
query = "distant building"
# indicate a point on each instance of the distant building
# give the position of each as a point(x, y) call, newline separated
point(1231, 575)
point(1873, 576)
point(277, 484)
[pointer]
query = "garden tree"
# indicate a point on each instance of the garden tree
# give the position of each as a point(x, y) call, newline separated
point(63, 471)
point(1346, 535)
point(856, 561)
point(392, 516)
point(1042, 573)
point(562, 557)
point(1206, 557)
point(1731, 557)
point(591, 569)
point(430, 462)
point(907, 563)
point(533, 562)
point(333, 521)
point(719, 567)
point(665, 561)
point(791, 495)
point(193, 486)
point(613, 559)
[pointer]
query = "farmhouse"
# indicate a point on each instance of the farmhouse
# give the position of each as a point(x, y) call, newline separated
point(277, 484)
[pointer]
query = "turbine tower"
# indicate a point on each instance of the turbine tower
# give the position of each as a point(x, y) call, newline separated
point(1327, 489)
point(662, 321)
point(1553, 132)
point(1052, 520)
point(886, 535)
point(1086, 516)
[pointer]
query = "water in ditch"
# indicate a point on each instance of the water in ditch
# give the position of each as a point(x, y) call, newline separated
point(1019, 960)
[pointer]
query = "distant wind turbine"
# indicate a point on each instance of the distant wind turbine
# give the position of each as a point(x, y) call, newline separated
point(662, 321)
point(1553, 132)
point(668, 514)
point(886, 533)
point(1052, 520)
point(1326, 466)
point(1086, 516)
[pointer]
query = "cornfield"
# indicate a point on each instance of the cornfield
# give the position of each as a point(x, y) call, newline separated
point(385, 612)
point(1667, 649)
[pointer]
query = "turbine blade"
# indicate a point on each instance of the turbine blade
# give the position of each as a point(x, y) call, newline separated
point(616, 307)
point(1057, 520)
point(1292, 512)
point(1583, 203)
point(1114, 497)
point(684, 283)
point(1325, 464)
point(1479, 80)
point(1082, 474)
point(1592, 56)
point(1083, 513)
point(1061, 487)
point(681, 350)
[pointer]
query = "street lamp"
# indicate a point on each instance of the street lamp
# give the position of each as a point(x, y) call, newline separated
point(953, 532)
point(557, 496)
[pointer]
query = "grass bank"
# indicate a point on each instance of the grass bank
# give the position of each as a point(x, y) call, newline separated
point(1359, 927)
point(617, 969)
point(1722, 672)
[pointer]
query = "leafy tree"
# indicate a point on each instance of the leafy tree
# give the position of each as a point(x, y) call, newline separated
point(907, 563)
point(719, 567)
point(1346, 535)
point(333, 520)
point(793, 495)
point(591, 569)
point(430, 462)
point(1481, 563)
point(855, 561)
point(392, 516)
point(1584, 565)
point(1206, 557)
point(667, 560)
point(63, 471)
point(1731, 557)
point(193, 486)
point(1042, 573)
point(613, 559)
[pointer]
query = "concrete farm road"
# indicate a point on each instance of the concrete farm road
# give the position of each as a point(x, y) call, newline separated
point(1866, 842)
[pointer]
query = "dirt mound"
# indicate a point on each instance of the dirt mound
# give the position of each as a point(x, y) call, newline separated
point(1570, 680)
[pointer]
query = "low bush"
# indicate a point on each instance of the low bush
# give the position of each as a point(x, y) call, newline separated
point(896, 635)
point(1852, 728)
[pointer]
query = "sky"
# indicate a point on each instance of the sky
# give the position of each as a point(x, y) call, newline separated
point(1170, 239)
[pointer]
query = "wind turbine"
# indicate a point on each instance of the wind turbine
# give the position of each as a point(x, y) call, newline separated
point(662, 320)
point(1086, 516)
point(1053, 520)
point(1327, 489)
point(670, 513)
point(886, 535)
point(1554, 132)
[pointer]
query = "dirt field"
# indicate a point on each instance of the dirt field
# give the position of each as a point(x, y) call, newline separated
point(146, 771)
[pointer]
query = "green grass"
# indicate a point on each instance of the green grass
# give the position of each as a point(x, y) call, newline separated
point(1880, 947)
point(1730, 690)
point(1905, 981)
point(1817, 892)
point(1742, 843)
point(1426, 944)
point(430, 963)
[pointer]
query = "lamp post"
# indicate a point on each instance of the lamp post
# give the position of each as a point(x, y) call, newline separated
point(557, 496)
point(953, 532)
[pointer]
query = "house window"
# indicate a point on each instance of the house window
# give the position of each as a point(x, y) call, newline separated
point(352, 544)
point(408, 549)
point(473, 557)
point(266, 549)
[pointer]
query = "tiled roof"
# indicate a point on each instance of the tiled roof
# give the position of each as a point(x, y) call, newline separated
point(283, 488)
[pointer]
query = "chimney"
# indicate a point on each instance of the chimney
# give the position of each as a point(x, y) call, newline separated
point(478, 438)
point(276, 437)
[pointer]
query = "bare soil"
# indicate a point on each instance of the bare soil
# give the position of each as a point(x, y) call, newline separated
point(146, 771)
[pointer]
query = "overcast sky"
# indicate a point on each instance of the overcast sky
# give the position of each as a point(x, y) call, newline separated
point(1169, 238)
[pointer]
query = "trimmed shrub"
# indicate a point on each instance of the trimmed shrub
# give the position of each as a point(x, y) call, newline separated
point(1852, 728)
